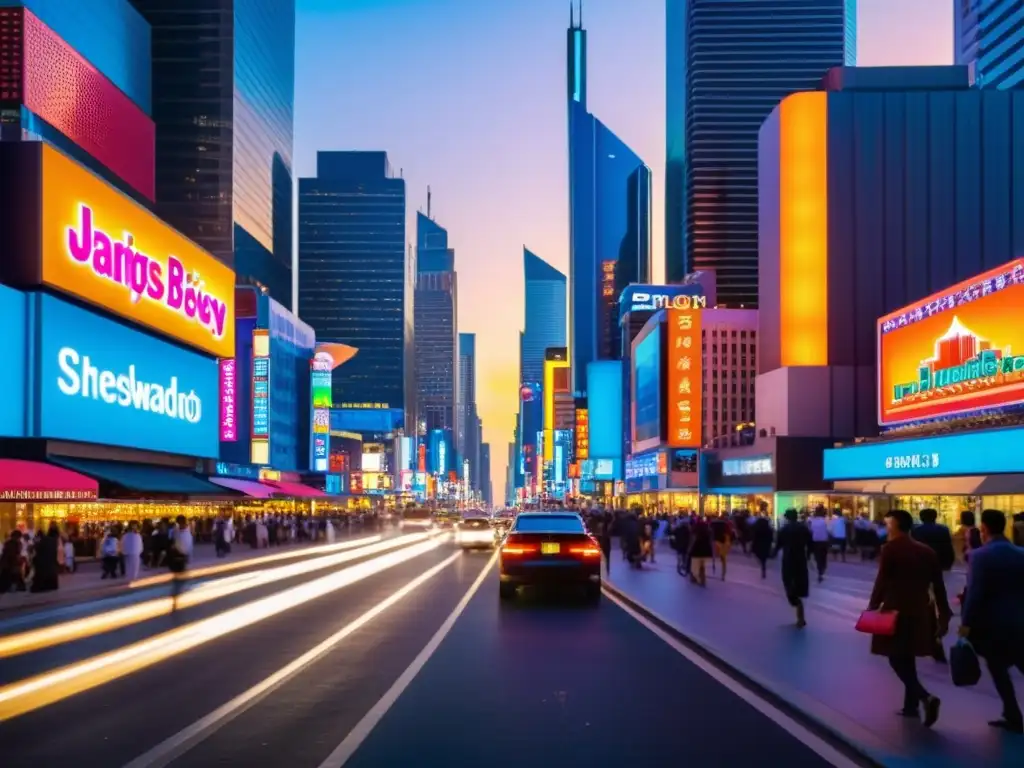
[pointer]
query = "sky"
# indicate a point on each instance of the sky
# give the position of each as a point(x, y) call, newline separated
point(468, 97)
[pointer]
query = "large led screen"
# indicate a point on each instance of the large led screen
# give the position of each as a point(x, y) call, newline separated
point(647, 387)
point(103, 382)
point(958, 351)
point(13, 351)
point(604, 415)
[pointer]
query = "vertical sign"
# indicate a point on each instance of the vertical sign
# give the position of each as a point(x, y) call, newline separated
point(228, 402)
point(320, 391)
point(685, 378)
point(582, 434)
point(260, 453)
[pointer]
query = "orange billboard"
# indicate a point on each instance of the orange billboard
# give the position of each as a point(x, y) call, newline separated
point(104, 248)
point(685, 379)
point(957, 352)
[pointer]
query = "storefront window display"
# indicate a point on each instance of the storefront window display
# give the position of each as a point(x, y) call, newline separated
point(727, 504)
point(663, 501)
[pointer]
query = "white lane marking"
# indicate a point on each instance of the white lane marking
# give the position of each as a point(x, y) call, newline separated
point(811, 740)
point(344, 751)
point(181, 742)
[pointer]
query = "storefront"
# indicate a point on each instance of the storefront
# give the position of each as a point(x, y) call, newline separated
point(969, 471)
point(664, 480)
point(27, 486)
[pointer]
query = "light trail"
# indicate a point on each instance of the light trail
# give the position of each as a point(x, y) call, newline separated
point(46, 637)
point(36, 692)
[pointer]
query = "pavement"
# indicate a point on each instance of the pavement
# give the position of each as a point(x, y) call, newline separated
point(824, 671)
point(417, 663)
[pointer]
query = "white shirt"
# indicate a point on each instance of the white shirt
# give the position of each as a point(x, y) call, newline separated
point(819, 529)
point(110, 547)
point(131, 543)
point(839, 527)
point(183, 541)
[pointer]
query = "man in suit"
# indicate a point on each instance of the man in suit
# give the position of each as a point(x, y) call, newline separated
point(993, 612)
point(940, 540)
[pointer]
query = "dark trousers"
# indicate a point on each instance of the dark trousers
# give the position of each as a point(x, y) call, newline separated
point(914, 693)
point(1000, 671)
point(763, 560)
point(821, 556)
point(110, 567)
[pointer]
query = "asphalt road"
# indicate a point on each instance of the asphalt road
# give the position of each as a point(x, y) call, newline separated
point(547, 680)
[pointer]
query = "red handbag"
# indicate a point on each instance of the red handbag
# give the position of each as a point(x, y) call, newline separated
point(877, 623)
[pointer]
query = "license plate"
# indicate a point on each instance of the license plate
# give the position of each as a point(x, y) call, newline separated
point(549, 548)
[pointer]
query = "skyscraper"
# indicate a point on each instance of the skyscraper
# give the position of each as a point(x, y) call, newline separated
point(544, 321)
point(609, 220)
point(354, 284)
point(729, 62)
point(988, 36)
point(468, 418)
point(485, 474)
point(436, 329)
point(223, 102)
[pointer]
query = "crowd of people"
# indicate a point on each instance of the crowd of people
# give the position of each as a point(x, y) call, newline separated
point(33, 561)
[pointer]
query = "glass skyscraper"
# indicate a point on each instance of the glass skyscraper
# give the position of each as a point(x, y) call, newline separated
point(544, 324)
point(989, 38)
point(354, 285)
point(729, 62)
point(436, 327)
point(223, 102)
point(469, 429)
point(609, 221)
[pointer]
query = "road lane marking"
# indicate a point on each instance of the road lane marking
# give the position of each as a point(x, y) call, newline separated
point(36, 692)
point(811, 740)
point(181, 742)
point(344, 751)
point(76, 629)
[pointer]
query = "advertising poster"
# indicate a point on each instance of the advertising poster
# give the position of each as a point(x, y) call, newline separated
point(228, 401)
point(647, 387)
point(104, 248)
point(14, 352)
point(957, 352)
point(320, 393)
point(260, 396)
point(103, 382)
point(685, 379)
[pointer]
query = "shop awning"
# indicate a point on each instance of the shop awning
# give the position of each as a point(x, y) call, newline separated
point(38, 481)
point(143, 478)
point(251, 488)
point(967, 485)
point(294, 490)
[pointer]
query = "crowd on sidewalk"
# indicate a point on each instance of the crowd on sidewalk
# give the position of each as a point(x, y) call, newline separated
point(33, 562)
point(908, 614)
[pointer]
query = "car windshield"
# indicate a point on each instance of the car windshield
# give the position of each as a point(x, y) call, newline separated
point(475, 522)
point(416, 514)
point(548, 524)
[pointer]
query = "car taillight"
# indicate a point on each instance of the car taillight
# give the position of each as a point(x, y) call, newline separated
point(585, 551)
point(518, 549)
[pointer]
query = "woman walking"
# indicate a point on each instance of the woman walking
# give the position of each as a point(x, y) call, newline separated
point(794, 541)
point(761, 534)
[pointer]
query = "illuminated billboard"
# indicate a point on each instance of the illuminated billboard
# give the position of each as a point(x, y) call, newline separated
point(102, 247)
point(556, 382)
point(958, 351)
point(645, 388)
point(651, 298)
point(228, 401)
point(260, 450)
point(683, 407)
point(320, 392)
point(14, 352)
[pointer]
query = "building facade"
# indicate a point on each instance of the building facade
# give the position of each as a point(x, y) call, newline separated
point(353, 279)
point(223, 100)
point(609, 221)
point(892, 185)
point(544, 323)
point(729, 63)
point(77, 78)
point(468, 429)
point(436, 328)
point(989, 38)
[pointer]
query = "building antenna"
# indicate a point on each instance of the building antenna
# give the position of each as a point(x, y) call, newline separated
point(572, 22)
point(428, 202)
point(581, 14)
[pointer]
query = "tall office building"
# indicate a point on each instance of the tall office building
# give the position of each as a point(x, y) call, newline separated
point(486, 493)
point(468, 429)
point(76, 76)
point(354, 284)
point(609, 220)
point(988, 36)
point(223, 101)
point(729, 62)
point(544, 321)
point(436, 327)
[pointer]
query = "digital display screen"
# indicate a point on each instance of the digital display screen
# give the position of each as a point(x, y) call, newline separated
point(647, 387)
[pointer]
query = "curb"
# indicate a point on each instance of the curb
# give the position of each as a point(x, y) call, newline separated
point(816, 725)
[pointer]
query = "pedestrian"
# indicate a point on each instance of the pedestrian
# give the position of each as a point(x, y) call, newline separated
point(762, 537)
point(701, 551)
point(794, 541)
point(109, 551)
point(44, 561)
point(722, 533)
point(12, 564)
point(131, 551)
point(178, 554)
point(938, 538)
point(993, 612)
point(69, 556)
point(819, 541)
point(837, 534)
point(909, 583)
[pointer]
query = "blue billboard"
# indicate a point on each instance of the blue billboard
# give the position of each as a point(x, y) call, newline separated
point(13, 349)
point(987, 452)
point(647, 387)
point(604, 409)
point(103, 382)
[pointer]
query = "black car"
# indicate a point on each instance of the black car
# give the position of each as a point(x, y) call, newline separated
point(549, 548)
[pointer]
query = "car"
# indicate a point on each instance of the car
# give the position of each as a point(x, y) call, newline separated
point(475, 533)
point(417, 519)
point(549, 549)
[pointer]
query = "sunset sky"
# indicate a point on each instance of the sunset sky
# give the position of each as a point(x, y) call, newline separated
point(468, 96)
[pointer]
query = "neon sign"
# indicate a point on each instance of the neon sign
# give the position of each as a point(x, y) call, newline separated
point(228, 402)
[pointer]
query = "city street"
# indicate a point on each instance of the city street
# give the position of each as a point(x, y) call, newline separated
point(408, 659)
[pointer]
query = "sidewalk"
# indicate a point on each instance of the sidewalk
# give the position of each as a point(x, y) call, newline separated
point(85, 584)
point(825, 670)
